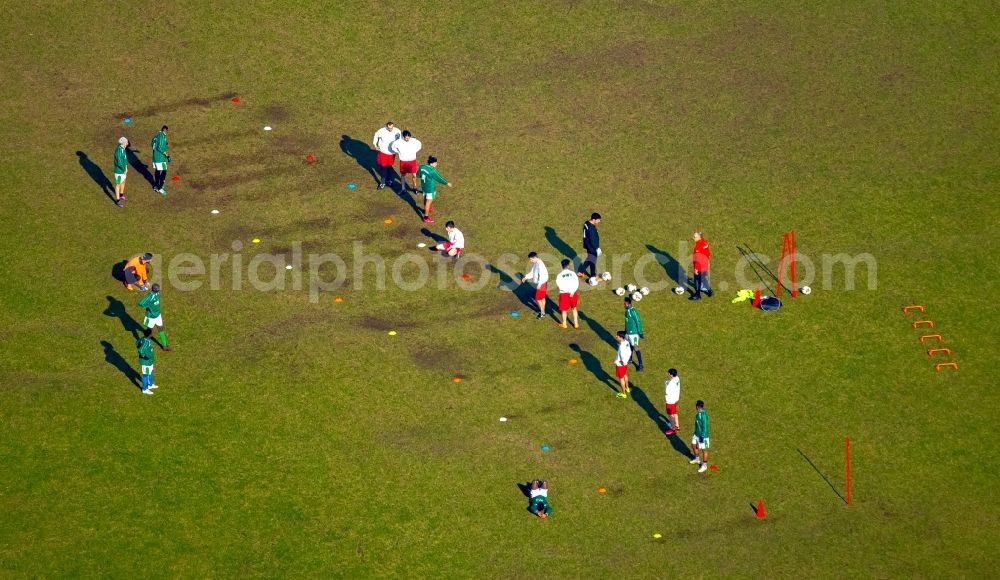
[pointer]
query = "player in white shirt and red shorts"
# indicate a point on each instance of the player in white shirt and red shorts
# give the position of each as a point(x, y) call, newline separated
point(569, 286)
point(385, 158)
point(455, 244)
point(622, 358)
point(538, 276)
point(407, 147)
point(672, 394)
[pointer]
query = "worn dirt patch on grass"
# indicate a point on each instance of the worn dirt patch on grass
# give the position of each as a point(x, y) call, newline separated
point(372, 322)
point(275, 113)
point(298, 143)
point(167, 107)
point(230, 180)
point(437, 359)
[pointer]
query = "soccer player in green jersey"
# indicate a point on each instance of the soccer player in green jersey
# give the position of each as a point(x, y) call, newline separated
point(160, 160)
point(145, 348)
point(121, 172)
point(429, 178)
point(699, 443)
point(154, 319)
point(540, 499)
point(633, 330)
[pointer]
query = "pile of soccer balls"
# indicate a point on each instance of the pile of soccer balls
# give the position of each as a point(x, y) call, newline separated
point(633, 291)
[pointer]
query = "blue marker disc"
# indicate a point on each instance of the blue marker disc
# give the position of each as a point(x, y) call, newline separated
point(515, 314)
point(127, 120)
point(352, 185)
point(545, 447)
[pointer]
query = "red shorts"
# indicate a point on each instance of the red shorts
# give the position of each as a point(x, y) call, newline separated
point(407, 167)
point(384, 159)
point(671, 408)
point(540, 291)
point(448, 245)
point(567, 301)
point(620, 372)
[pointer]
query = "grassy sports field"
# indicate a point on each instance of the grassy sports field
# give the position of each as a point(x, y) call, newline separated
point(294, 436)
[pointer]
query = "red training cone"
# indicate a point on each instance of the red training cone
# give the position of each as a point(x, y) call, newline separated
point(760, 509)
point(756, 298)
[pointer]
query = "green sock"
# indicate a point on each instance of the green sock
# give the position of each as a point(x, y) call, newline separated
point(163, 338)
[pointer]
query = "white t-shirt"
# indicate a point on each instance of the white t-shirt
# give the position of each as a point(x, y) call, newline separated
point(624, 354)
point(568, 282)
point(539, 274)
point(539, 492)
point(672, 390)
point(456, 238)
point(384, 138)
point(407, 150)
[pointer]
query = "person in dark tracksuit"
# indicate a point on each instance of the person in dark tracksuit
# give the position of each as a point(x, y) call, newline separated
point(591, 246)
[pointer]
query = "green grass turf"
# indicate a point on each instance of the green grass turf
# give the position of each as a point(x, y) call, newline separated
point(292, 438)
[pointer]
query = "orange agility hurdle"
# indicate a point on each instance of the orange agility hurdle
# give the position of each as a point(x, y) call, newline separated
point(934, 351)
point(926, 336)
point(953, 365)
point(907, 309)
point(919, 322)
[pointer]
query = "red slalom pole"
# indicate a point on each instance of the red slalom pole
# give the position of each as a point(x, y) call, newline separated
point(792, 264)
point(847, 463)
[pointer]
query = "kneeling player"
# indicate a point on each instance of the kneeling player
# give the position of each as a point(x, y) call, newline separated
point(137, 271)
point(456, 241)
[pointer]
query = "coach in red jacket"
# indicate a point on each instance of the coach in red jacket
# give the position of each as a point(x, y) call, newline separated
point(700, 263)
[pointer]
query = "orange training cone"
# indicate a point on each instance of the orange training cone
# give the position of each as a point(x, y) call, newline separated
point(760, 508)
point(756, 298)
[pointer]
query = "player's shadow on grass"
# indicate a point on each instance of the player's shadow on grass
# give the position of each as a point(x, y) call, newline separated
point(593, 365)
point(139, 166)
point(97, 174)
point(118, 271)
point(435, 238)
point(361, 153)
point(116, 360)
point(410, 201)
point(519, 290)
point(670, 265)
point(560, 244)
point(646, 405)
point(813, 465)
point(526, 490)
point(654, 414)
point(116, 309)
point(599, 330)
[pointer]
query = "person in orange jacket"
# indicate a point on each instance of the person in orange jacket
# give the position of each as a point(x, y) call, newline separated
point(137, 271)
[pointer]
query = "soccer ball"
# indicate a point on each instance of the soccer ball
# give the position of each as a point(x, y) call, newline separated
point(620, 291)
point(679, 290)
point(606, 276)
point(644, 291)
point(806, 290)
point(636, 296)
point(631, 287)
point(592, 280)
